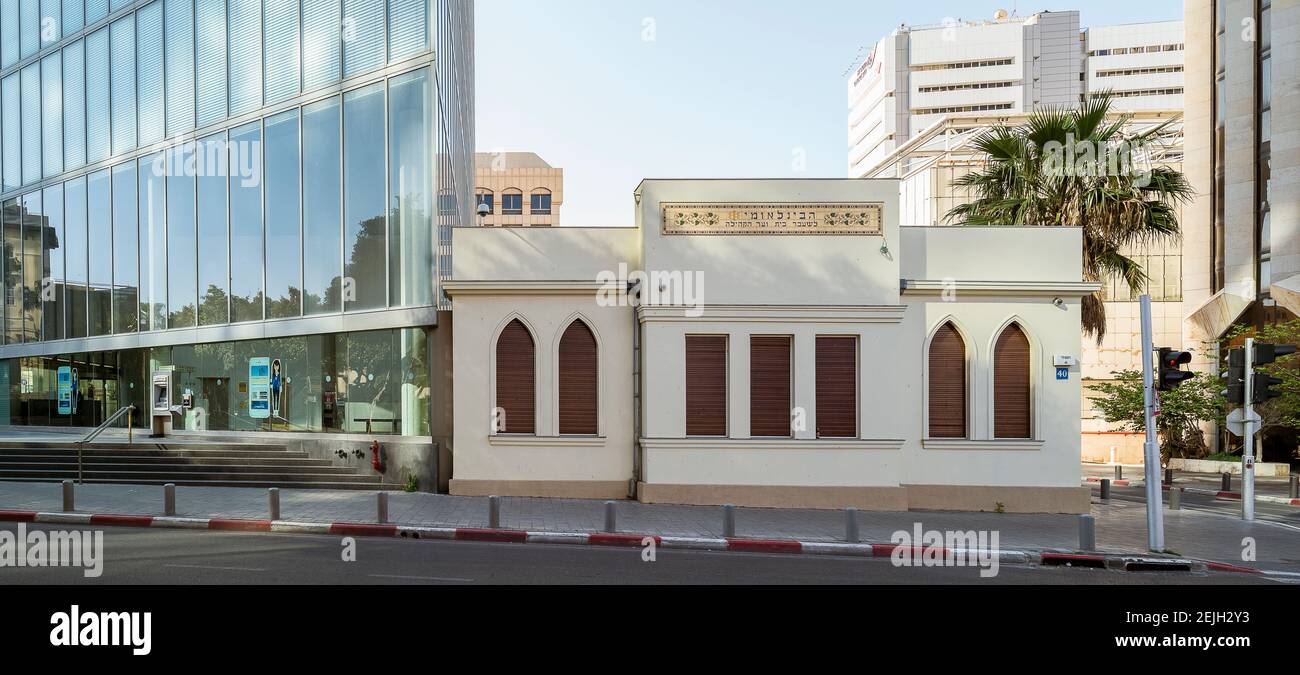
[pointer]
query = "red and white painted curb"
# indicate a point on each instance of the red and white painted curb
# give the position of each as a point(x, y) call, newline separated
point(628, 540)
point(1267, 499)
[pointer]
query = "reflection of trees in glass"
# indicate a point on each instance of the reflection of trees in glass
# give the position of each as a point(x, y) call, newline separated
point(214, 309)
point(366, 265)
point(288, 306)
point(246, 308)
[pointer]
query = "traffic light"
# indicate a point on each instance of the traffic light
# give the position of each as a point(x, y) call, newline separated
point(1262, 386)
point(1171, 369)
point(1262, 391)
point(1266, 354)
point(1236, 377)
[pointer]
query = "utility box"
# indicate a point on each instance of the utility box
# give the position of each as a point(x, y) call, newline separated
point(161, 403)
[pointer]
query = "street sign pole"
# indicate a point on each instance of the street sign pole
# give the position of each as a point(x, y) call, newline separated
point(1248, 456)
point(1155, 505)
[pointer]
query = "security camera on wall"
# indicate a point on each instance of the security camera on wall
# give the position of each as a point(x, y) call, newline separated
point(484, 210)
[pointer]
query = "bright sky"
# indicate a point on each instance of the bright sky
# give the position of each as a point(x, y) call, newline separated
point(614, 91)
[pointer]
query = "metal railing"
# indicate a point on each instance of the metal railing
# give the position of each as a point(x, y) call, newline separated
point(95, 433)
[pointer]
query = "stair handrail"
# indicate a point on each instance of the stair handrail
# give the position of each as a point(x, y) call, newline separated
point(95, 433)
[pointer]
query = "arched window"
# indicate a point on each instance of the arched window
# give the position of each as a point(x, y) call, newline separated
point(947, 384)
point(541, 202)
point(1011, 404)
point(512, 202)
point(487, 197)
point(516, 380)
point(578, 381)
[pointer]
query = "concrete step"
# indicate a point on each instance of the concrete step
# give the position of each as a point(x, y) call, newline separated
point(145, 451)
point(145, 444)
point(285, 485)
point(270, 475)
point(11, 468)
point(162, 460)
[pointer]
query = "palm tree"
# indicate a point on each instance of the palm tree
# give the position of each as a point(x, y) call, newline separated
point(1077, 168)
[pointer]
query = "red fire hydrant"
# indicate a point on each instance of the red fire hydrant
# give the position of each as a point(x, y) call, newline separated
point(376, 457)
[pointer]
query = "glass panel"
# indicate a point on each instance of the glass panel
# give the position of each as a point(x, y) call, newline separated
point(75, 257)
point(182, 244)
point(363, 36)
point(30, 27)
point(149, 72)
point(8, 33)
point(99, 210)
point(245, 38)
point(246, 253)
point(322, 40)
point(13, 272)
point(98, 133)
point(153, 242)
point(283, 229)
point(52, 113)
point(74, 16)
point(50, 20)
point(96, 10)
point(126, 271)
point(410, 171)
point(408, 24)
point(214, 275)
point(33, 253)
point(282, 49)
point(31, 84)
point(53, 280)
point(122, 35)
point(74, 106)
point(211, 56)
point(365, 243)
point(322, 247)
point(415, 382)
point(115, 5)
point(13, 134)
point(180, 66)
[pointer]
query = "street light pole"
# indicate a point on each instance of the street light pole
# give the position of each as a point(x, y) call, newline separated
point(1155, 503)
point(1248, 427)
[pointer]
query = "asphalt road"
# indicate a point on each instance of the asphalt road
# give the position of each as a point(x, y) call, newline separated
point(1277, 513)
point(160, 556)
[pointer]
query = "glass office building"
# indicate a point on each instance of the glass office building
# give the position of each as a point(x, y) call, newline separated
point(204, 184)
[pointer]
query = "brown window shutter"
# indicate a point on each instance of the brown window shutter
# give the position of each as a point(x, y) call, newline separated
point(837, 387)
point(706, 385)
point(947, 384)
point(1011, 385)
point(769, 386)
point(578, 385)
point(517, 379)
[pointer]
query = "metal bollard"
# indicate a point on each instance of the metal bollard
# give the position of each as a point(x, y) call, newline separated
point(1226, 484)
point(1087, 533)
point(1169, 476)
point(383, 508)
point(611, 517)
point(1176, 499)
point(494, 512)
point(1295, 487)
point(169, 499)
point(1105, 490)
point(728, 520)
point(1119, 472)
point(273, 495)
point(851, 526)
point(69, 499)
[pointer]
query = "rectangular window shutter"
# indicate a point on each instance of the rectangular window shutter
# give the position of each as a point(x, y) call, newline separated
point(706, 385)
point(769, 386)
point(837, 388)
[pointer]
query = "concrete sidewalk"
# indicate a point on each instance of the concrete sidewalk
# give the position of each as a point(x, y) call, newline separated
point(1121, 526)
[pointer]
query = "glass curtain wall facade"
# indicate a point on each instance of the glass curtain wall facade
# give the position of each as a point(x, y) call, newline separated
point(176, 172)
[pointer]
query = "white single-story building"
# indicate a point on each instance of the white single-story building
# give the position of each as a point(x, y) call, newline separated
point(780, 343)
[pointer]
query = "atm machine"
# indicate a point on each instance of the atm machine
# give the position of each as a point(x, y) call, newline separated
point(162, 404)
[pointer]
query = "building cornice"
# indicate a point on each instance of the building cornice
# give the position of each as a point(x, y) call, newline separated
point(1059, 289)
point(463, 288)
point(771, 444)
point(782, 313)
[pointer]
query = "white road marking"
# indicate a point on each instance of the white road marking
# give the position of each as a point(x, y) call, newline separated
point(224, 569)
point(415, 578)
